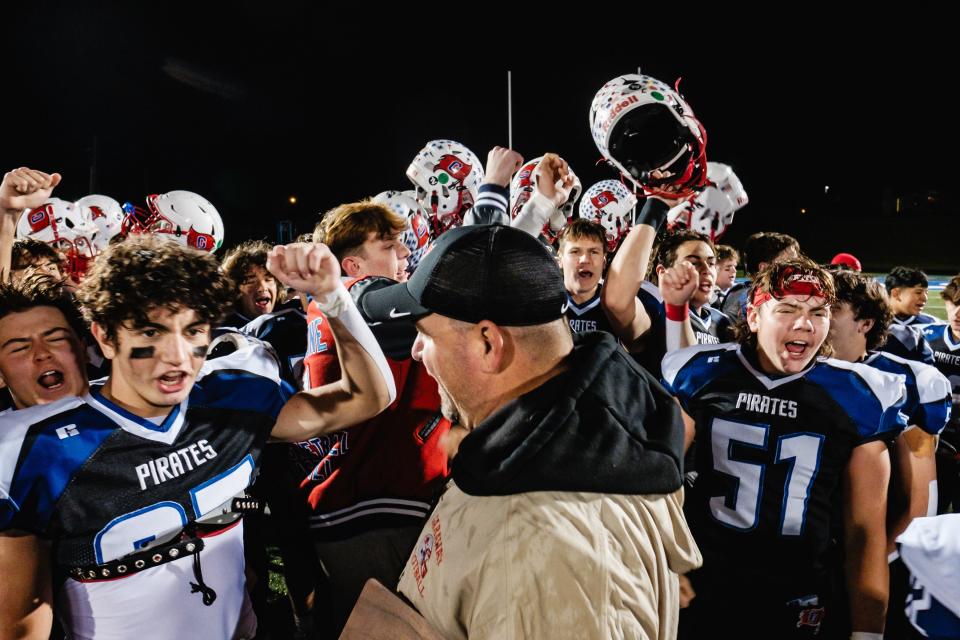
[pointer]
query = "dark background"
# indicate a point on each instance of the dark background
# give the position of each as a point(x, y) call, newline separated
point(249, 103)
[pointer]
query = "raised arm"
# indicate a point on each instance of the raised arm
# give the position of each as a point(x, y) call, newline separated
point(366, 386)
point(21, 189)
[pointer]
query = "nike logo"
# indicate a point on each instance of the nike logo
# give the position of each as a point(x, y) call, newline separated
point(564, 308)
point(394, 314)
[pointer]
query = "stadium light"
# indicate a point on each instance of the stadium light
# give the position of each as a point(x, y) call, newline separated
point(292, 199)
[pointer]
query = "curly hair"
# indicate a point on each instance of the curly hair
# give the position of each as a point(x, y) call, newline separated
point(40, 291)
point(770, 280)
point(143, 273)
point(250, 253)
point(28, 251)
point(242, 258)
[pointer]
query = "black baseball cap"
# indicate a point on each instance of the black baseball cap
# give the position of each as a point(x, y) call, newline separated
point(474, 273)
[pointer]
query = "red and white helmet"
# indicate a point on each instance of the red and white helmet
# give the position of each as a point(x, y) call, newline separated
point(106, 213)
point(447, 176)
point(524, 183)
point(522, 188)
point(610, 203)
point(417, 234)
point(64, 226)
point(184, 216)
point(641, 125)
point(711, 211)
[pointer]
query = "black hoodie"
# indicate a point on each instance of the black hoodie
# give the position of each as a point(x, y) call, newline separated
point(602, 426)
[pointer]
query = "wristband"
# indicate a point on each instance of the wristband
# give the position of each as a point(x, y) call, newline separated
point(335, 302)
point(653, 213)
point(677, 312)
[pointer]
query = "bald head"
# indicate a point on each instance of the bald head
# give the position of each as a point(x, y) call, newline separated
point(481, 366)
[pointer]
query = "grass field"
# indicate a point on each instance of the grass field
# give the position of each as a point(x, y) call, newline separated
point(935, 307)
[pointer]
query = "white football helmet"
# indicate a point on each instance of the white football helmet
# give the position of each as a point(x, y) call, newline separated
point(447, 176)
point(417, 235)
point(524, 183)
point(106, 213)
point(610, 203)
point(641, 125)
point(64, 226)
point(711, 211)
point(186, 217)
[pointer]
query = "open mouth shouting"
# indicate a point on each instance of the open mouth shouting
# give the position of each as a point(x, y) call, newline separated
point(51, 380)
point(263, 303)
point(172, 381)
point(797, 349)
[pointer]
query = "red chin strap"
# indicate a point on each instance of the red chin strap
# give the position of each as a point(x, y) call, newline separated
point(791, 282)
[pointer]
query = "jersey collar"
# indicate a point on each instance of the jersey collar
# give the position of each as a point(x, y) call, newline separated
point(166, 432)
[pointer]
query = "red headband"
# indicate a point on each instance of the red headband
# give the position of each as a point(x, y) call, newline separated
point(791, 282)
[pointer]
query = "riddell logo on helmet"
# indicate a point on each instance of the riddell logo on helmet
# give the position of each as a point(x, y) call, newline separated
point(454, 166)
point(602, 199)
point(620, 106)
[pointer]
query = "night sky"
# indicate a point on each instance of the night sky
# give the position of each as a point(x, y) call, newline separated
point(249, 103)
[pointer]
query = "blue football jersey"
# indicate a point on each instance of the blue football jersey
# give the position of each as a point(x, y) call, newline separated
point(930, 549)
point(711, 326)
point(771, 451)
point(102, 483)
point(655, 340)
point(907, 342)
point(286, 331)
point(588, 316)
point(928, 399)
point(919, 320)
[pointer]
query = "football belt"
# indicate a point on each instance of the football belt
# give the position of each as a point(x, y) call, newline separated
point(189, 543)
point(137, 562)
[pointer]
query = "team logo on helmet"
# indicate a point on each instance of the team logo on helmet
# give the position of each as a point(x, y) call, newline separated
point(420, 229)
point(202, 241)
point(39, 219)
point(602, 199)
point(96, 212)
point(454, 166)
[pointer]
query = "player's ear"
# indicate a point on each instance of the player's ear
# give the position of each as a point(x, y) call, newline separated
point(866, 325)
point(351, 266)
point(107, 347)
point(753, 314)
